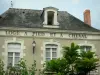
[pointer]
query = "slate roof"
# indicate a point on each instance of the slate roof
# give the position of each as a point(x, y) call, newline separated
point(28, 18)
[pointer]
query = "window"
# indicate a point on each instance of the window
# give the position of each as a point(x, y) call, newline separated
point(13, 53)
point(50, 18)
point(86, 48)
point(50, 51)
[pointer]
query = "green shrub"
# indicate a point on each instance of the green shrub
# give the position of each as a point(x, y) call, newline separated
point(33, 68)
point(1, 67)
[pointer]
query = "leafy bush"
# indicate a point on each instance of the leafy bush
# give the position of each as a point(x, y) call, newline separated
point(20, 69)
point(59, 66)
point(33, 68)
point(87, 62)
point(1, 67)
point(23, 68)
point(73, 62)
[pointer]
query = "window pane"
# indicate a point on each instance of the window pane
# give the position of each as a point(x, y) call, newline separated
point(14, 47)
point(17, 54)
point(54, 49)
point(47, 59)
point(50, 17)
point(16, 60)
point(82, 47)
point(54, 54)
point(51, 51)
point(10, 54)
point(13, 53)
point(88, 48)
point(47, 54)
point(51, 45)
point(47, 49)
point(10, 61)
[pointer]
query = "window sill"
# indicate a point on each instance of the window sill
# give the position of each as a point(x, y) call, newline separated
point(51, 26)
point(50, 72)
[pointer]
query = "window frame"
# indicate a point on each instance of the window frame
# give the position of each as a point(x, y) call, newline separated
point(5, 53)
point(85, 49)
point(93, 49)
point(13, 53)
point(59, 54)
point(55, 19)
point(48, 17)
point(51, 51)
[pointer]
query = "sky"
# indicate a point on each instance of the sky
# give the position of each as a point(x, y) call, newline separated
point(74, 7)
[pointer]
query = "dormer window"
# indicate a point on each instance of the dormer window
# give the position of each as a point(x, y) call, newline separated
point(50, 17)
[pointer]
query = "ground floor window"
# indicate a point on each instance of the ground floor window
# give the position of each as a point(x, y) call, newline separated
point(13, 58)
point(86, 47)
point(51, 51)
point(13, 54)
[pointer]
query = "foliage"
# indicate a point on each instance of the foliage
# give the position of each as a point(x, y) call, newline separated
point(73, 62)
point(71, 55)
point(1, 67)
point(87, 62)
point(12, 71)
point(23, 68)
point(59, 66)
point(33, 68)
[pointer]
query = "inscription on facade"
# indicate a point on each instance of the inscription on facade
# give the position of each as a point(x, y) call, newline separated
point(52, 34)
point(44, 34)
point(12, 32)
point(77, 35)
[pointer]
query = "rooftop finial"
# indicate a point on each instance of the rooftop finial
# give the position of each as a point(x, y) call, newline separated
point(11, 4)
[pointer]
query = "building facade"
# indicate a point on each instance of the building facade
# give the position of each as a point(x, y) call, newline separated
point(40, 35)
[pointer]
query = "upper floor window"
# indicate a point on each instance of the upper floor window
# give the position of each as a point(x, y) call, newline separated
point(50, 18)
point(51, 51)
point(13, 53)
point(86, 47)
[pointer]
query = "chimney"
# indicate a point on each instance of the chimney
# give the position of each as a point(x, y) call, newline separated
point(87, 17)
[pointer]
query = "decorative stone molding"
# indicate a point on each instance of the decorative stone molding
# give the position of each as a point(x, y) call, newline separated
point(5, 53)
point(50, 26)
point(42, 62)
point(51, 41)
point(45, 15)
point(50, 34)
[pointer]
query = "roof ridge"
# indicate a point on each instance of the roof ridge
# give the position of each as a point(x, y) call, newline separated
point(24, 9)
